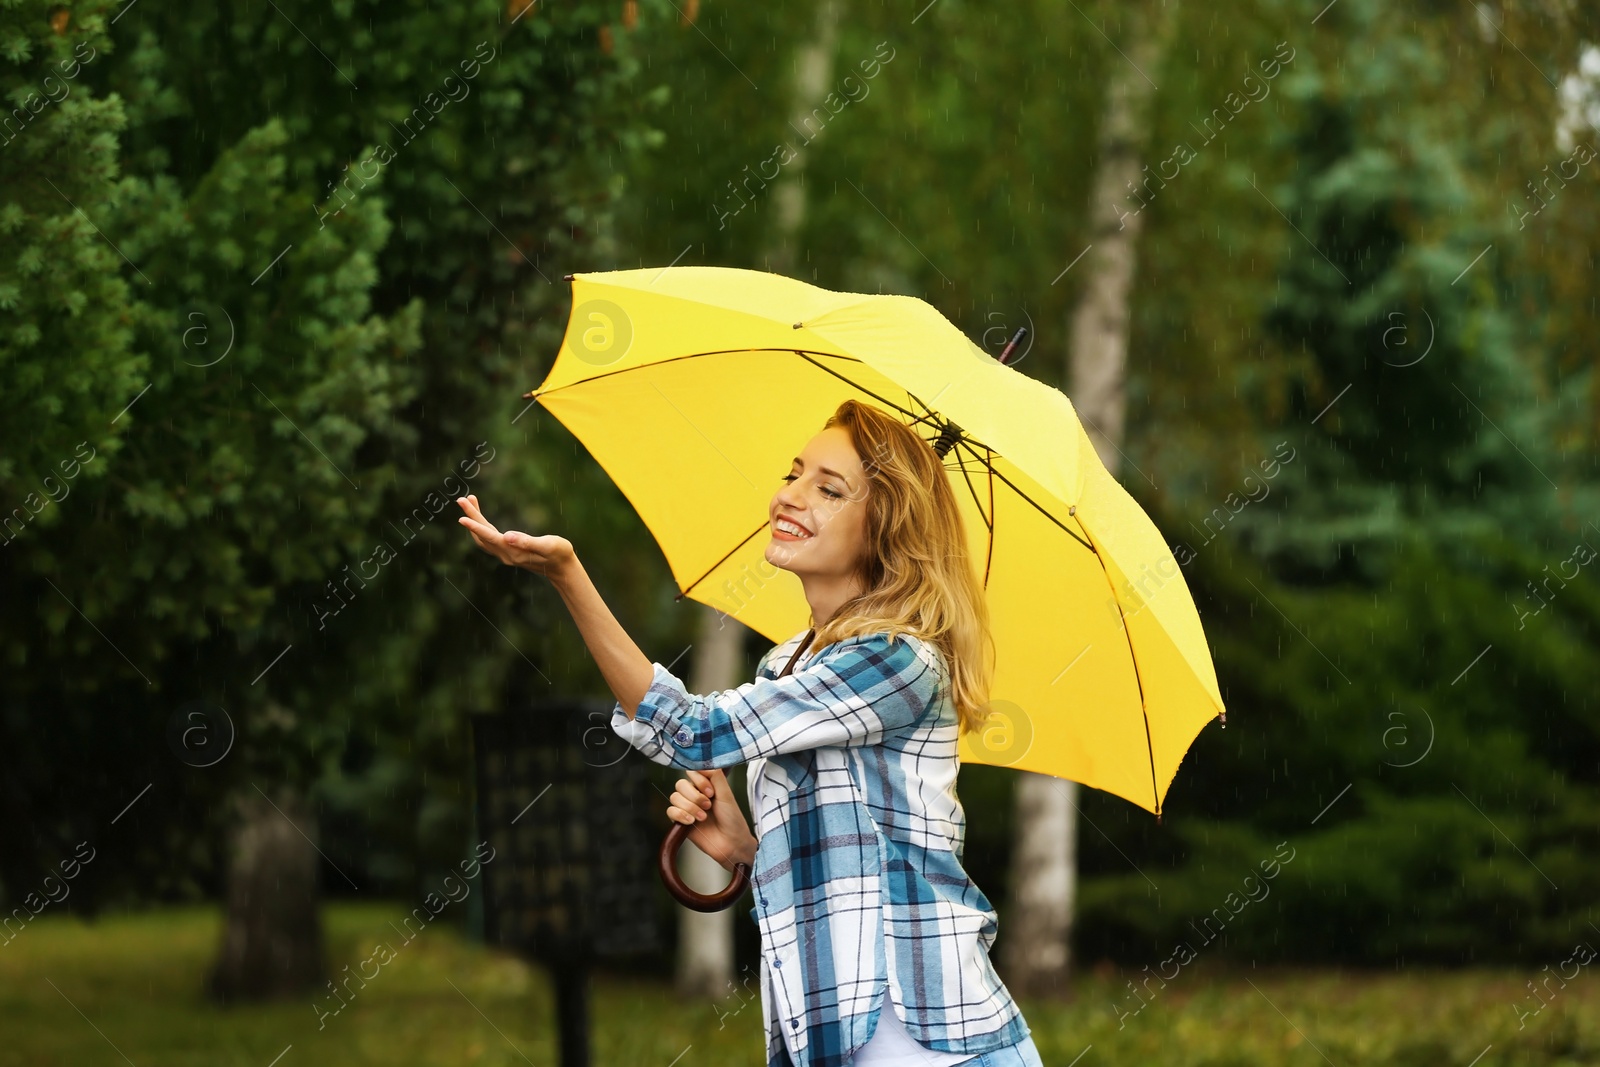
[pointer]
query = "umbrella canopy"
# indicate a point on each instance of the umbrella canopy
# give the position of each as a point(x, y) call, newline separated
point(694, 387)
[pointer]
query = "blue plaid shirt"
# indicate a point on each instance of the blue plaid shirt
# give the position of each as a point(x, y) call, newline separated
point(857, 879)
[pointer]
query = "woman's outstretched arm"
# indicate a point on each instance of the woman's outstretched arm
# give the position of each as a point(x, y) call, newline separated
point(626, 669)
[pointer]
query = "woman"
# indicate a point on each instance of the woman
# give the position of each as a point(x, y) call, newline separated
point(875, 942)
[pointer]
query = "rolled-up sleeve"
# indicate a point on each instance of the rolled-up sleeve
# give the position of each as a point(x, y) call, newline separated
point(854, 693)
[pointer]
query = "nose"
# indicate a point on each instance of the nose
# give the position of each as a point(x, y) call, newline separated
point(787, 498)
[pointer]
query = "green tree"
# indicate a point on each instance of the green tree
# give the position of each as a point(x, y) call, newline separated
point(1398, 715)
point(343, 283)
point(67, 361)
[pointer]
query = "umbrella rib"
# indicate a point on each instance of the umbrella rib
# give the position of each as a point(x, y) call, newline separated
point(805, 354)
point(928, 412)
point(693, 355)
point(931, 414)
point(1127, 633)
point(995, 472)
point(1149, 745)
point(915, 419)
point(1133, 656)
point(720, 562)
point(990, 559)
point(857, 385)
point(988, 519)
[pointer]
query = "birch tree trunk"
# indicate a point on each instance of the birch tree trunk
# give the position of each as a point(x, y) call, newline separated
point(813, 70)
point(705, 940)
point(1036, 954)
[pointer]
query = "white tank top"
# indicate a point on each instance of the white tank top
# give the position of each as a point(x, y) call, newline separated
point(892, 1046)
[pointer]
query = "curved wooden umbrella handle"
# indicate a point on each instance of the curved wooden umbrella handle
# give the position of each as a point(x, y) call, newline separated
point(688, 897)
point(667, 861)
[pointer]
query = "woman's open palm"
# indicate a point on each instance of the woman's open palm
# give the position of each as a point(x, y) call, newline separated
point(542, 555)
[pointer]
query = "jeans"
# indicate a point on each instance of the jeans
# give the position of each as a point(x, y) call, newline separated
point(1021, 1054)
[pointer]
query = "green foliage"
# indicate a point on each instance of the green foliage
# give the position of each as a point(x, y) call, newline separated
point(948, 164)
point(1400, 611)
point(331, 294)
point(233, 444)
point(67, 359)
point(1443, 433)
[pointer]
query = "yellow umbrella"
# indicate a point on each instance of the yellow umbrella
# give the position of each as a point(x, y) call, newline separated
point(694, 386)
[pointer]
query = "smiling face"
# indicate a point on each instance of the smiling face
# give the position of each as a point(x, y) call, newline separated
point(825, 496)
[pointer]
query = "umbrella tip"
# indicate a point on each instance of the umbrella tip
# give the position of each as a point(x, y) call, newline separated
point(1011, 345)
point(566, 277)
point(798, 325)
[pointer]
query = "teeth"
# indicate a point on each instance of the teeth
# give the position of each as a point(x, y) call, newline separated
point(788, 527)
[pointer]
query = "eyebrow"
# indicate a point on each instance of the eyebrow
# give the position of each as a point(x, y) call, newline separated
point(827, 470)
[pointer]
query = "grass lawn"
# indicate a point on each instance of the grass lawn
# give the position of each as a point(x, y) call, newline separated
point(127, 990)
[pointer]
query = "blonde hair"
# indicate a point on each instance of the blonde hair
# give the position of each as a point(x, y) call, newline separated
point(915, 571)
